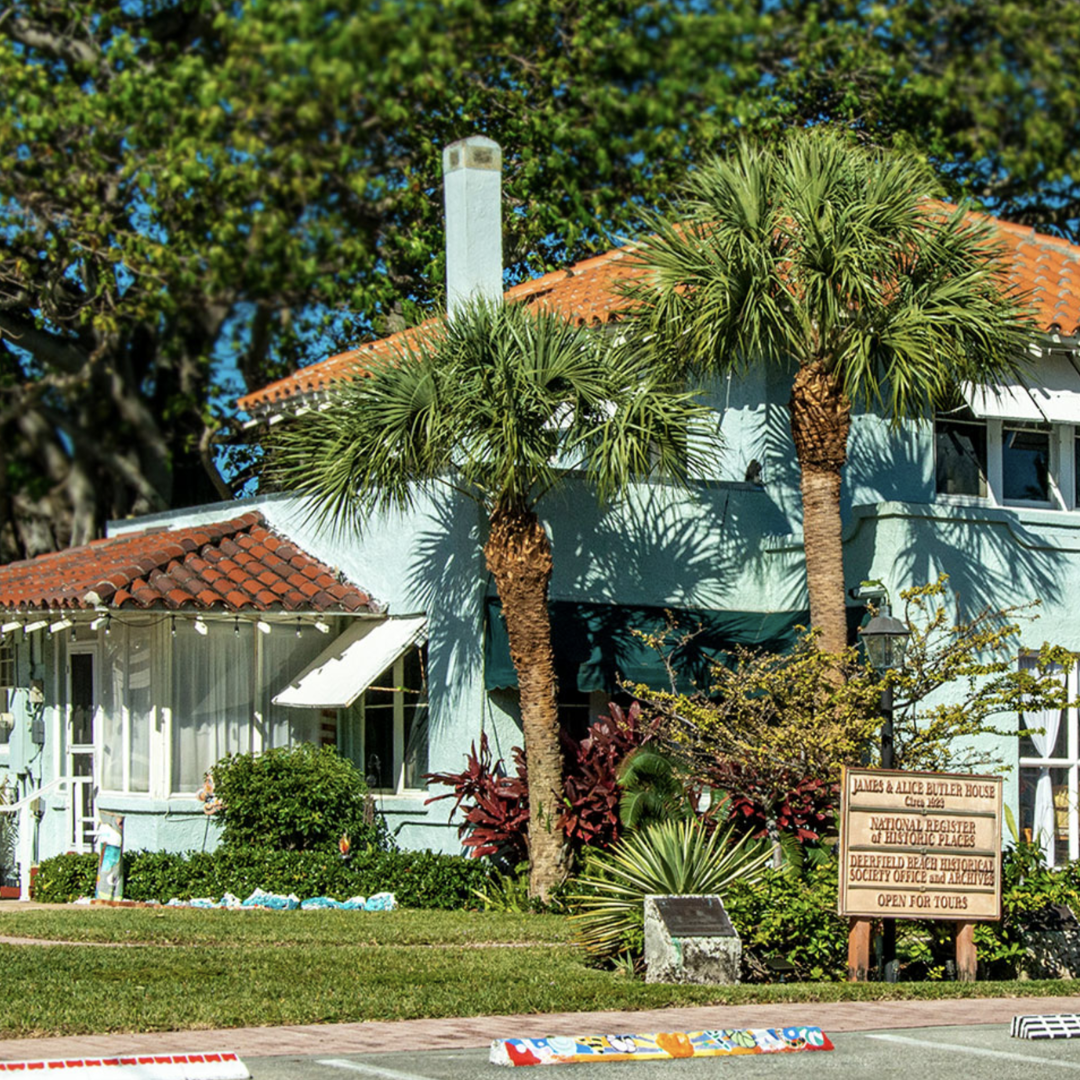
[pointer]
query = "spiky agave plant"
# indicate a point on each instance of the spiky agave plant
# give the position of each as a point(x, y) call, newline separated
point(669, 858)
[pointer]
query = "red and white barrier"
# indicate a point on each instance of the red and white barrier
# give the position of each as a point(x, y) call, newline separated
point(227, 1066)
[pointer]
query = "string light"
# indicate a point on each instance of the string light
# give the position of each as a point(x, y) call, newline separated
point(299, 627)
point(172, 626)
point(236, 626)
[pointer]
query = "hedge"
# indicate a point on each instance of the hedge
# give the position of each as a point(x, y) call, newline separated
point(419, 879)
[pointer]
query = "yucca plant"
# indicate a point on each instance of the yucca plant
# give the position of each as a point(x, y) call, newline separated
point(669, 858)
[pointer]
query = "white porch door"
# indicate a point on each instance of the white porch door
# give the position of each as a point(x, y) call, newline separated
point(82, 723)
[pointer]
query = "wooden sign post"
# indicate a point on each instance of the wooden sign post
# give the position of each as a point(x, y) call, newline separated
point(919, 846)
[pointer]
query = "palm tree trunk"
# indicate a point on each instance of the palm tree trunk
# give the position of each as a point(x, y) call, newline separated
point(518, 554)
point(820, 421)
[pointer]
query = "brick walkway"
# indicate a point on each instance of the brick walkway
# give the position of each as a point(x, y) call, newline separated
point(478, 1031)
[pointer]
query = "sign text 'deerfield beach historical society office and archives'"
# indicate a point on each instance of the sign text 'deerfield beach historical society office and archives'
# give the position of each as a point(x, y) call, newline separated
point(920, 845)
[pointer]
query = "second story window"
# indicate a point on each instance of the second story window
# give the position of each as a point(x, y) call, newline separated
point(960, 455)
point(1025, 463)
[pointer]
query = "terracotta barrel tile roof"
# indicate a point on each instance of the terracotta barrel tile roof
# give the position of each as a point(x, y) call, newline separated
point(182, 569)
point(588, 292)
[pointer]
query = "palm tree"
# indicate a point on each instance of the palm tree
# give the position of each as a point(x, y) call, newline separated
point(832, 261)
point(498, 403)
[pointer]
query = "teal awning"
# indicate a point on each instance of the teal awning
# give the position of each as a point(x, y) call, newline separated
point(595, 645)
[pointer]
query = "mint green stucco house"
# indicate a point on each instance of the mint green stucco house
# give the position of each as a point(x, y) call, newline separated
point(130, 665)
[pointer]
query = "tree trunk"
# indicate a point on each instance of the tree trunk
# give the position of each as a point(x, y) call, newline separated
point(820, 421)
point(518, 554)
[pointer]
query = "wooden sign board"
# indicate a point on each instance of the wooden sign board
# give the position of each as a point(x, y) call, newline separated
point(920, 845)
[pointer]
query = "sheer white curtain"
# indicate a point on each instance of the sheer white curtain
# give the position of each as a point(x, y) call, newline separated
point(111, 705)
point(1044, 830)
point(213, 699)
point(284, 656)
point(140, 705)
point(126, 705)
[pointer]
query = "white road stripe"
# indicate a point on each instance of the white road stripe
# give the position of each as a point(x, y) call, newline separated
point(370, 1070)
point(979, 1050)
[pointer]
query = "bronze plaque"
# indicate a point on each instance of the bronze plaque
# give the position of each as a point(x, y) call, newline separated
point(694, 916)
point(920, 845)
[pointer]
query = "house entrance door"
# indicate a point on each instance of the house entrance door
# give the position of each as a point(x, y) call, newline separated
point(82, 719)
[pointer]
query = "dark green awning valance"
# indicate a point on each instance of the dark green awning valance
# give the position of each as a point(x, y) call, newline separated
point(595, 644)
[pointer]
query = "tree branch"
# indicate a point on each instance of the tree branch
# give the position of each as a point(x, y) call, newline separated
point(48, 348)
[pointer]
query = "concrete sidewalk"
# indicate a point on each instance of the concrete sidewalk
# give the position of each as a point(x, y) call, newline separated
point(478, 1031)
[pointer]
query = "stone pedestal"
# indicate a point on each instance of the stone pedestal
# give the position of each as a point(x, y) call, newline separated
point(689, 939)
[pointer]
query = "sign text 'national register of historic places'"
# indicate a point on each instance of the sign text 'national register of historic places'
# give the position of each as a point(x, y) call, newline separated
point(920, 845)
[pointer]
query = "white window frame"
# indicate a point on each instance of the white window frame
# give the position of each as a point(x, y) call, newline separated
point(154, 721)
point(8, 671)
point(1062, 480)
point(397, 670)
point(1070, 762)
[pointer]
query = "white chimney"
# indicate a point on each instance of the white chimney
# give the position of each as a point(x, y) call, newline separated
point(472, 187)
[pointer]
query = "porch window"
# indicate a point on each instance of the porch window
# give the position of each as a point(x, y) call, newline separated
point(386, 731)
point(7, 685)
point(960, 450)
point(1049, 775)
point(284, 656)
point(213, 698)
point(127, 709)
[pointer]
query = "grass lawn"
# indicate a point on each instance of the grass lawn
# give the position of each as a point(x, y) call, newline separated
point(201, 969)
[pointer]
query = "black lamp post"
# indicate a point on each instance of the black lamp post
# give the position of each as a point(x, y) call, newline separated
point(886, 642)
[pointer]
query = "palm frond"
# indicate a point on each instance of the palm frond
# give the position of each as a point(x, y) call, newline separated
point(500, 402)
point(821, 251)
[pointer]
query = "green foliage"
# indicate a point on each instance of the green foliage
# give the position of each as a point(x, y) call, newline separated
point(822, 254)
point(771, 720)
point(418, 879)
point(790, 916)
point(258, 179)
point(1028, 886)
point(64, 878)
point(960, 680)
point(668, 858)
point(778, 718)
point(651, 789)
point(508, 894)
point(300, 798)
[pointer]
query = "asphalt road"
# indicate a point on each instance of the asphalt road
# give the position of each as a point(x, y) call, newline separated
point(948, 1053)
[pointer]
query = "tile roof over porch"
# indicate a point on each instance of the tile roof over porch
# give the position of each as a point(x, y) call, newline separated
point(237, 565)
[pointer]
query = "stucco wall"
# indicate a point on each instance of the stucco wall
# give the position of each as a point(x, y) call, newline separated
point(727, 545)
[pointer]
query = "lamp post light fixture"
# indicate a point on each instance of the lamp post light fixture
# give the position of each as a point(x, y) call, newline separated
point(886, 642)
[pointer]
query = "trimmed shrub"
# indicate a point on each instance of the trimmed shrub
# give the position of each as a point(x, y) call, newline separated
point(419, 879)
point(63, 878)
point(301, 798)
point(792, 917)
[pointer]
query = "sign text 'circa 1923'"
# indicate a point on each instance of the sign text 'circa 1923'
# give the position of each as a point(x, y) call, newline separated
point(920, 845)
